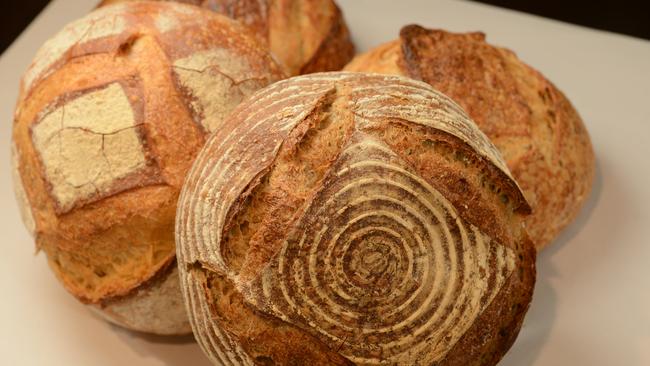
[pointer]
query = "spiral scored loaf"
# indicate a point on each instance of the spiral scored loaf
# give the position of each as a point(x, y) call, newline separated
point(111, 114)
point(534, 126)
point(344, 218)
point(305, 36)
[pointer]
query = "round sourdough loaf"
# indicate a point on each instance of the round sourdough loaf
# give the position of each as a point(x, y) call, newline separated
point(111, 114)
point(344, 218)
point(534, 126)
point(305, 36)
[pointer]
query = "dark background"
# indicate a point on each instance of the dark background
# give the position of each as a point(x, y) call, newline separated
point(621, 16)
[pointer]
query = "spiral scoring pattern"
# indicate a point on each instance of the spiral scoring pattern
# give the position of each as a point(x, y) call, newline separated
point(380, 267)
point(217, 183)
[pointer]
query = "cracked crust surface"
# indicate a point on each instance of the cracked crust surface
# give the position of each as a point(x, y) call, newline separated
point(111, 114)
point(305, 36)
point(534, 126)
point(87, 159)
point(361, 217)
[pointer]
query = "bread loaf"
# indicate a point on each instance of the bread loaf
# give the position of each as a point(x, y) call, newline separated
point(305, 36)
point(534, 126)
point(344, 218)
point(111, 114)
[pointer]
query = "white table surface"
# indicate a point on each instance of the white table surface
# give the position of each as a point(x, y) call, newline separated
point(592, 299)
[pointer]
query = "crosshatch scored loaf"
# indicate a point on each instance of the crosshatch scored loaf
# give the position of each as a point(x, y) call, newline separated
point(534, 126)
point(344, 218)
point(305, 36)
point(111, 114)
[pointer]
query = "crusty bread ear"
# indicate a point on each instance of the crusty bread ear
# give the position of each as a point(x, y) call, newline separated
point(533, 124)
point(305, 36)
point(344, 218)
point(111, 114)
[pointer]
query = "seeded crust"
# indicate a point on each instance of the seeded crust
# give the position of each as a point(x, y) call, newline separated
point(305, 36)
point(533, 124)
point(363, 153)
point(110, 116)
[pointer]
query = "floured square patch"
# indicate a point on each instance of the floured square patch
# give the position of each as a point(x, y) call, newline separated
point(214, 82)
point(91, 146)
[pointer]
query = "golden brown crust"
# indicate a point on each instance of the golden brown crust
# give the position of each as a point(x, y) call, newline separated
point(499, 324)
point(475, 187)
point(334, 51)
point(329, 212)
point(111, 114)
point(539, 133)
point(287, 344)
point(304, 35)
point(154, 307)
